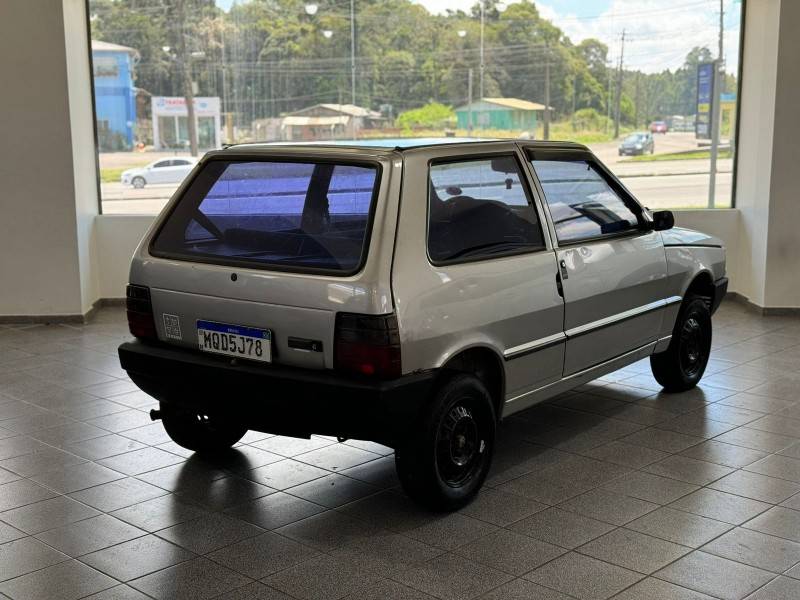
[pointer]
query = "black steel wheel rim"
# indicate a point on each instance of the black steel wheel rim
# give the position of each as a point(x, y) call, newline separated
point(692, 351)
point(459, 447)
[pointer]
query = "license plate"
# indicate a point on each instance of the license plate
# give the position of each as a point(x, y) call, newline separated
point(235, 340)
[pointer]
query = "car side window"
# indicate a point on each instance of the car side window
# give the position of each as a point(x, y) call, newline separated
point(179, 162)
point(161, 164)
point(479, 208)
point(582, 203)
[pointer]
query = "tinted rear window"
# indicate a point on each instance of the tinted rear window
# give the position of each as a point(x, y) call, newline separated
point(282, 215)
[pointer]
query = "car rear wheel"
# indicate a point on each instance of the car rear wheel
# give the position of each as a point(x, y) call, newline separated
point(681, 366)
point(138, 182)
point(445, 461)
point(200, 432)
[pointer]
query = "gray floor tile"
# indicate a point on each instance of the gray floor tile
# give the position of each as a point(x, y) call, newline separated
point(387, 589)
point(336, 457)
point(285, 474)
point(633, 550)
point(118, 494)
point(89, 535)
point(209, 532)
point(262, 555)
point(501, 508)
point(140, 461)
point(511, 552)
point(782, 467)
point(118, 592)
point(21, 492)
point(661, 439)
point(656, 589)
point(690, 470)
point(756, 486)
point(627, 455)
point(327, 531)
point(781, 588)
point(322, 578)
point(103, 447)
point(386, 553)
point(225, 492)
point(720, 506)
point(778, 521)
point(679, 527)
point(452, 577)
point(197, 579)
point(77, 477)
point(25, 556)
point(715, 576)
point(756, 549)
point(9, 533)
point(721, 453)
point(451, 531)
point(137, 557)
point(275, 510)
point(159, 513)
point(47, 514)
point(584, 577)
point(561, 528)
point(608, 506)
point(649, 487)
point(756, 439)
point(66, 581)
point(522, 589)
point(332, 490)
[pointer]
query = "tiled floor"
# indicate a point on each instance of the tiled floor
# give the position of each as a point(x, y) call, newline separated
point(614, 490)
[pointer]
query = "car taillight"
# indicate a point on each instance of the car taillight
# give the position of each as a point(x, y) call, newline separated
point(140, 312)
point(368, 345)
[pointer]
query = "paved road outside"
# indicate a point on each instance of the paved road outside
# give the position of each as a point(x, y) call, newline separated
point(659, 184)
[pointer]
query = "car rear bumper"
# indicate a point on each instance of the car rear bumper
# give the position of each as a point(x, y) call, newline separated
point(278, 399)
point(720, 289)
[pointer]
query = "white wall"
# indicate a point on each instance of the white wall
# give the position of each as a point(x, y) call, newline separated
point(39, 267)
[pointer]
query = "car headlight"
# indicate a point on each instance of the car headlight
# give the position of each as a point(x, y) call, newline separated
point(638, 146)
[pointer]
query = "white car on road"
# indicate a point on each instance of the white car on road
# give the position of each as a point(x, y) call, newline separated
point(165, 170)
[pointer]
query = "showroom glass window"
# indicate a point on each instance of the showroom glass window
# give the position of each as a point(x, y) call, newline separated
point(281, 71)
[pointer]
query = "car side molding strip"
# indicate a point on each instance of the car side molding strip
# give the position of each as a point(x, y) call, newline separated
point(557, 338)
point(619, 317)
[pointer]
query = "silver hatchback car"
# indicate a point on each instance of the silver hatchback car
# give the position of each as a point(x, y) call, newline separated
point(411, 295)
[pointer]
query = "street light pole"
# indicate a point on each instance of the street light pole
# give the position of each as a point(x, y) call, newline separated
point(353, 60)
point(715, 114)
point(483, 19)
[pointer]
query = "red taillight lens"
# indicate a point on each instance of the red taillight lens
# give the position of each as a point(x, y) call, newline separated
point(368, 345)
point(140, 312)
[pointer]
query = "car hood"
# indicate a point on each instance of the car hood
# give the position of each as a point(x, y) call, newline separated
point(681, 236)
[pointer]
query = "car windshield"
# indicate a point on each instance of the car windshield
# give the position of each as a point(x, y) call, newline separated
point(635, 138)
point(297, 216)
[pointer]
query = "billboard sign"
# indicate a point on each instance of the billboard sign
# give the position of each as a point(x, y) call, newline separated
point(705, 100)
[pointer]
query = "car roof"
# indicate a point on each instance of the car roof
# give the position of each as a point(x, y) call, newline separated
point(400, 144)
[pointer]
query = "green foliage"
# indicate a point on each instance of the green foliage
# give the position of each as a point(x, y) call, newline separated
point(433, 115)
point(268, 57)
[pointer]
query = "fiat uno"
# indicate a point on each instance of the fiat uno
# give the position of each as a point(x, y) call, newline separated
point(413, 295)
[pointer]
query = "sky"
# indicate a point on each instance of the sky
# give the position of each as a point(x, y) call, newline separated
point(659, 33)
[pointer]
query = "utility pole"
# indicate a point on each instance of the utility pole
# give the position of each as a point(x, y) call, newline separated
point(715, 113)
point(483, 18)
point(608, 94)
point(185, 65)
point(619, 85)
point(547, 92)
point(574, 98)
point(469, 104)
point(353, 60)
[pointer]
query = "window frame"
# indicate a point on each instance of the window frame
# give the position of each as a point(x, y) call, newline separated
point(170, 209)
point(572, 155)
point(527, 190)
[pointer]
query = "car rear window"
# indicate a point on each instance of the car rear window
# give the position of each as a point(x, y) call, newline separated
point(298, 216)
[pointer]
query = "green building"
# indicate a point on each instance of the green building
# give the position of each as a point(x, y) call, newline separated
point(499, 113)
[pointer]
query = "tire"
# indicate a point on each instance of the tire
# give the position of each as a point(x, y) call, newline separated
point(445, 462)
point(681, 366)
point(200, 433)
point(138, 182)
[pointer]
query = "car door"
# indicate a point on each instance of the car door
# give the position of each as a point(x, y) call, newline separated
point(473, 265)
point(179, 169)
point(612, 265)
point(159, 172)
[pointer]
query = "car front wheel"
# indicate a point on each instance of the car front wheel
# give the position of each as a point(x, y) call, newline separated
point(444, 463)
point(199, 432)
point(681, 366)
point(138, 182)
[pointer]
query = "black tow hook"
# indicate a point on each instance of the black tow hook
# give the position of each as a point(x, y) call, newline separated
point(155, 415)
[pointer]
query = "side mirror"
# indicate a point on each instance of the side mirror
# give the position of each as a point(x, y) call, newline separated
point(663, 220)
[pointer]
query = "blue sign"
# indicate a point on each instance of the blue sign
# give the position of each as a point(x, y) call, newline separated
point(705, 99)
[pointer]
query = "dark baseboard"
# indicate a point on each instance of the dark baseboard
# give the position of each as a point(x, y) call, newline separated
point(764, 311)
point(73, 319)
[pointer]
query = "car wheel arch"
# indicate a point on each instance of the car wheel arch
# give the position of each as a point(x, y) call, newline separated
point(702, 284)
point(486, 364)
